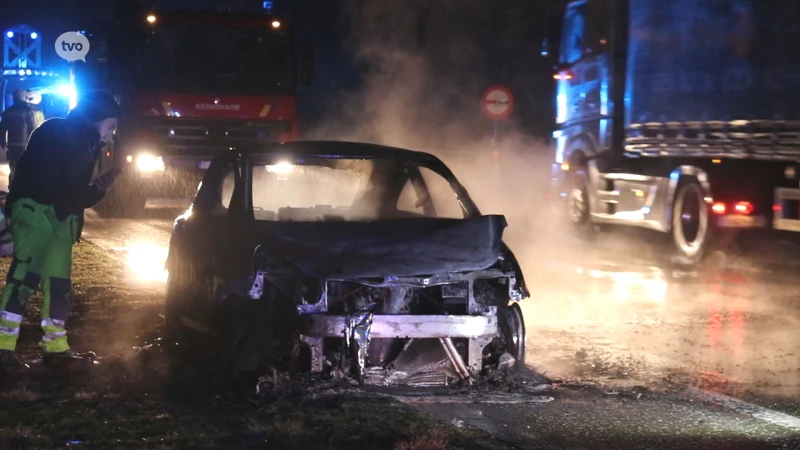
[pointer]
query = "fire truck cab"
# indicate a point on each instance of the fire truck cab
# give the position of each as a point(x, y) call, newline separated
point(191, 84)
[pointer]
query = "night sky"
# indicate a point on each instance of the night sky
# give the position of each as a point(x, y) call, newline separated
point(461, 46)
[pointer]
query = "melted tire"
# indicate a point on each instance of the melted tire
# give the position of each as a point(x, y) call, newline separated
point(512, 330)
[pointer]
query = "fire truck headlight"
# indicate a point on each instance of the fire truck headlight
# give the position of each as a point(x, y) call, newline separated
point(149, 163)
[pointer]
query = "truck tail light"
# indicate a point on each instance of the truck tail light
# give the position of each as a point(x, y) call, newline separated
point(743, 208)
point(735, 208)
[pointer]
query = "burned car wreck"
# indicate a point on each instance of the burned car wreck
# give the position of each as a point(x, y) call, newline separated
point(344, 259)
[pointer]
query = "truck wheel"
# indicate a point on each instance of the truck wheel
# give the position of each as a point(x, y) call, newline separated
point(579, 206)
point(689, 223)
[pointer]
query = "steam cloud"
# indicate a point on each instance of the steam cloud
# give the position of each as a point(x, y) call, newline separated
point(426, 65)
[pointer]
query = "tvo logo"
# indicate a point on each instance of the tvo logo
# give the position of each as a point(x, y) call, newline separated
point(72, 46)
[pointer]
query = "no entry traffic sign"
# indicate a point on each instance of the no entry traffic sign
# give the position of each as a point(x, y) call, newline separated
point(497, 102)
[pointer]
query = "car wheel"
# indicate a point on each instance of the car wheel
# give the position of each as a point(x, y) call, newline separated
point(174, 334)
point(512, 330)
point(690, 229)
point(257, 335)
point(510, 336)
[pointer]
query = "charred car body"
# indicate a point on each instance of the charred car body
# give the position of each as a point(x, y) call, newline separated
point(344, 258)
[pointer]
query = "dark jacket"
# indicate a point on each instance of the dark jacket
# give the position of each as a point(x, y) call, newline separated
point(57, 167)
point(19, 121)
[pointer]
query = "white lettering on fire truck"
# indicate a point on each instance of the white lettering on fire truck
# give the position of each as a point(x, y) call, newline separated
point(218, 107)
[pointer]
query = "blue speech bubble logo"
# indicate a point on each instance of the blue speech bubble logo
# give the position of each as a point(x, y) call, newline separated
point(72, 46)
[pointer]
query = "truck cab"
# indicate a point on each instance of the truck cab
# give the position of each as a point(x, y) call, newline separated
point(684, 126)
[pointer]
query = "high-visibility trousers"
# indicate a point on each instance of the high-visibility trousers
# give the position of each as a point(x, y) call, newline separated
point(42, 254)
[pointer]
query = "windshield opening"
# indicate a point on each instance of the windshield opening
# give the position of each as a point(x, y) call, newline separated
point(573, 34)
point(345, 190)
point(224, 60)
point(304, 192)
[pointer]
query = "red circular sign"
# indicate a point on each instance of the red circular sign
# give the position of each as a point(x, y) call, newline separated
point(497, 102)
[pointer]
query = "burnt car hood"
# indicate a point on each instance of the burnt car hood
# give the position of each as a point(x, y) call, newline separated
point(385, 248)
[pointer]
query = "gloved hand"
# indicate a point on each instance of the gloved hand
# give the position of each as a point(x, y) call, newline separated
point(106, 180)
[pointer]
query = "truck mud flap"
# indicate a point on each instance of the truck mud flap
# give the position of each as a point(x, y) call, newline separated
point(786, 209)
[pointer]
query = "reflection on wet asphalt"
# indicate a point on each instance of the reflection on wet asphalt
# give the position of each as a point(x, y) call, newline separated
point(639, 324)
point(598, 324)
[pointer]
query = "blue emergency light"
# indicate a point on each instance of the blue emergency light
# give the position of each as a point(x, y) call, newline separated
point(268, 5)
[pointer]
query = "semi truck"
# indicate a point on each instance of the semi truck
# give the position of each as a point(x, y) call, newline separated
point(191, 84)
point(681, 117)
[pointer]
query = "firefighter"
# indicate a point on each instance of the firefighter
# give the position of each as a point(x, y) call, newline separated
point(45, 206)
point(18, 122)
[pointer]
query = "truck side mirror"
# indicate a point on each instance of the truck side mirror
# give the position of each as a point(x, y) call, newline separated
point(547, 28)
point(306, 63)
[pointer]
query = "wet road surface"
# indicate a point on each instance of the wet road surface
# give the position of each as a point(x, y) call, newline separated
point(638, 352)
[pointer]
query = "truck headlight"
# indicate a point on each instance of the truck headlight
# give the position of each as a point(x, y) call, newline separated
point(149, 163)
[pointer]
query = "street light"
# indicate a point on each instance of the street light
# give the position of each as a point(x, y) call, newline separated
point(34, 35)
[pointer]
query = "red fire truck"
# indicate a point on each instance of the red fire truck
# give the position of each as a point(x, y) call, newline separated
point(191, 84)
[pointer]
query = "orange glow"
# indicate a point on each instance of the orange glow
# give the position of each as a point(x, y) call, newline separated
point(718, 208)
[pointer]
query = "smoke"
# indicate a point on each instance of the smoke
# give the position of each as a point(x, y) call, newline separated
point(424, 66)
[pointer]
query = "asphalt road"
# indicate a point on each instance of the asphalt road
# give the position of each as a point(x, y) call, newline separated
point(642, 356)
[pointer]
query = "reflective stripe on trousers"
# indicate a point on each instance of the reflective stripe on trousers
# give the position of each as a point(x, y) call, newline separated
point(55, 335)
point(9, 328)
